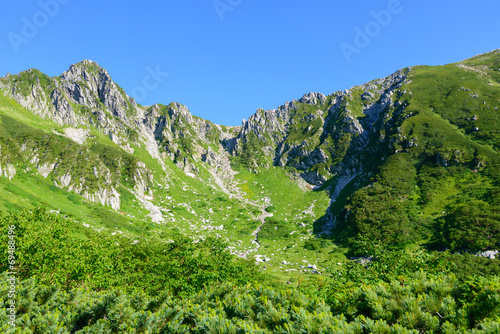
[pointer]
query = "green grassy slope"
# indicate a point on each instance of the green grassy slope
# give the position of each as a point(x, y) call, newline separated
point(439, 181)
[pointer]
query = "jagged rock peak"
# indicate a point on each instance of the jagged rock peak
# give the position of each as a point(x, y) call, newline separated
point(86, 70)
point(86, 80)
point(173, 109)
point(313, 98)
point(88, 62)
point(178, 107)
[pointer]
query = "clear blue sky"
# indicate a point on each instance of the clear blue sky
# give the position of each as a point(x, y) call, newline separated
point(250, 53)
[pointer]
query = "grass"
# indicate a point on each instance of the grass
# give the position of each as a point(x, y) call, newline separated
point(450, 91)
point(14, 110)
point(282, 238)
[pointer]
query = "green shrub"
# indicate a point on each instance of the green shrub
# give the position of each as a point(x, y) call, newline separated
point(72, 197)
point(47, 250)
point(271, 209)
point(275, 229)
point(315, 244)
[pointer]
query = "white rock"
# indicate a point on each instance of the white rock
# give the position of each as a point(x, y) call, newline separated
point(77, 135)
point(46, 169)
point(489, 254)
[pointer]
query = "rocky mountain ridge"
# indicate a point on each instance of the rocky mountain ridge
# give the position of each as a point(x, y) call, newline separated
point(320, 137)
point(86, 94)
point(303, 134)
point(385, 133)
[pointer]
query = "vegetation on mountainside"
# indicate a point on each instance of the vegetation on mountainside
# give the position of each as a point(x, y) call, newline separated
point(96, 286)
point(439, 182)
point(47, 250)
point(190, 204)
point(422, 305)
point(25, 81)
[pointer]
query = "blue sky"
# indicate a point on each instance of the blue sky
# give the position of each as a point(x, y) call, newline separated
point(226, 58)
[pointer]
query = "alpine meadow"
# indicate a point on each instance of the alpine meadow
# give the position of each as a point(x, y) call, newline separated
point(370, 210)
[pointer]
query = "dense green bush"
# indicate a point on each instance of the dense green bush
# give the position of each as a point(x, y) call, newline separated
point(450, 207)
point(275, 229)
point(438, 304)
point(467, 265)
point(224, 308)
point(383, 210)
point(315, 244)
point(271, 209)
point(471, 226)
point(47, 251)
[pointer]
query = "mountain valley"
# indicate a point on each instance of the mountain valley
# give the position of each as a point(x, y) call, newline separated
point(390, 160)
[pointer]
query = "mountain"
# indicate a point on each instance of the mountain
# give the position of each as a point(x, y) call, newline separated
point(410, 159)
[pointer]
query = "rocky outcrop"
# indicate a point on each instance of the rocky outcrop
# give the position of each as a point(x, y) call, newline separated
point(46, 168)
point(109, 197)
point(319, 130)
point(313, 98)
point(8, 171)
point(83, 95)
point(491, 254)
point(89, 85)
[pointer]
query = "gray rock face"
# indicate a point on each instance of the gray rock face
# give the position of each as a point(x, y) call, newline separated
point(85, 96)
point(307, 133)
point(313, 98)
point(109, 197)
point(209, 157)
point(46, 168)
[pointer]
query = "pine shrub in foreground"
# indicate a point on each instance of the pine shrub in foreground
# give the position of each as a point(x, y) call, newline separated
point(109, 285)
point(425, 305)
